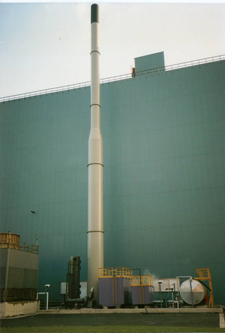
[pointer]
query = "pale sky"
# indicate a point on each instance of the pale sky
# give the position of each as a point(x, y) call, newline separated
point(48, 44)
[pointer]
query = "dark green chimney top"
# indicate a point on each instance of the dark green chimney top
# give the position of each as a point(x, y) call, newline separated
point(94, 13)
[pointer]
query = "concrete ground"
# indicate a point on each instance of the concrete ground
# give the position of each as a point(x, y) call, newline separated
point(209, 320)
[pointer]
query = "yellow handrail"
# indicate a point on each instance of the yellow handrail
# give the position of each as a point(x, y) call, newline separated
point(204, 273)
point(143, 280)
point(115, 272)
point(22, 246)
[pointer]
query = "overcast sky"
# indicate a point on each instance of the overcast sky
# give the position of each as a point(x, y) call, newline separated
point(48, 45)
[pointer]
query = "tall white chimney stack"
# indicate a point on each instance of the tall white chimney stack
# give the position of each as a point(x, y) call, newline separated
point(95, 166)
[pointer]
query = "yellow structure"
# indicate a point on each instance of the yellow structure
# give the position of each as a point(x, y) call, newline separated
point(114, 286)
point(204, 275)
point(8, 240)
point(12, 241)
point(115, 272)
point(141, 280)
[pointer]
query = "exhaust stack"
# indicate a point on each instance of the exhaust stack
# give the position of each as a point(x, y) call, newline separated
point(95, 166)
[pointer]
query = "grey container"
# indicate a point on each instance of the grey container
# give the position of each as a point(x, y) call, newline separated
point(142, 295)
point(114, 291)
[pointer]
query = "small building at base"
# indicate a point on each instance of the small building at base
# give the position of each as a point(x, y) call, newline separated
point(19, 276)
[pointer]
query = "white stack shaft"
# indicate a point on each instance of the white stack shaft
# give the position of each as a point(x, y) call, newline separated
point(95, 167)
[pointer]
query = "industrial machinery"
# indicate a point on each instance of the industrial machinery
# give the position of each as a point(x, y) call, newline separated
point(192, 292)
point(166, 292)
point(142, 289)
point(73, 282)
point(119, 287)
point(73, 278)
point(114, 286)
point(195, 291)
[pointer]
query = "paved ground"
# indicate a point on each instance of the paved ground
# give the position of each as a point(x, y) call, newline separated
point(141, 319)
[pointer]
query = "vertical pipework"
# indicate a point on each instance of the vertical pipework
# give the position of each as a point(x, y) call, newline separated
point(95, 166)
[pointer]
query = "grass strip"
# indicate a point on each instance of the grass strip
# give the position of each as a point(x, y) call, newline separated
point(107, 329)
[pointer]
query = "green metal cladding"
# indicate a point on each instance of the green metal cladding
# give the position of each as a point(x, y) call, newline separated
point(163, 137)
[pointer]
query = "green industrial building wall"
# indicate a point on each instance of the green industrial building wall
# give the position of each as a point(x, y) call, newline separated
point(163, 138)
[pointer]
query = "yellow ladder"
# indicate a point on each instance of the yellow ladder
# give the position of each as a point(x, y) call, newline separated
point(114, 291)
point(204, 275)
point(141, 295)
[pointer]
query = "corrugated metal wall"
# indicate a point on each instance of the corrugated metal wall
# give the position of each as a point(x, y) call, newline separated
point(163, 139)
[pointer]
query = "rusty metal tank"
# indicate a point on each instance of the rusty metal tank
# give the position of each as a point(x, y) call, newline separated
point(8, 240)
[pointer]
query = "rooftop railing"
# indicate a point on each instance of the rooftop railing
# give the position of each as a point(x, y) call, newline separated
point(22, 246)
point(115, 272)
point(143, 280)
point(114, 78)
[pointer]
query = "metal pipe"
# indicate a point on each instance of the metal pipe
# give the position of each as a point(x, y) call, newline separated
point(95, 166)
point(160, 292)
point(182, 277)
point(192, 301)
point(46, 293)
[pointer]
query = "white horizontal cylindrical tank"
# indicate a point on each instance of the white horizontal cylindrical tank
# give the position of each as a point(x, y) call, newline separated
point(192, 291)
